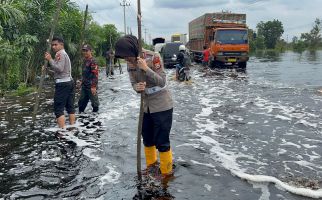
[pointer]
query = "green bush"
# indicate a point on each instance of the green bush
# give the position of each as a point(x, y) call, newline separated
point(23, 89)
point(13, 77)
point(101, 61)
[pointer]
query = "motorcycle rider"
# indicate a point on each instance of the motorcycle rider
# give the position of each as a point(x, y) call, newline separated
point(181, 58)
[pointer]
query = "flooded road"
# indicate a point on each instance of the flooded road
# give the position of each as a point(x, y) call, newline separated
point(236, 136)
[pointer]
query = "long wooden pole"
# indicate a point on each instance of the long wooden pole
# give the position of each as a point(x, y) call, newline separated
point(42, 78)
point(142, 96)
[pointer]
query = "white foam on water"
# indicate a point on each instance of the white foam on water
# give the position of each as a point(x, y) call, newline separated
point(53, 129)
point(203, 164)
point(286, 112)
point(46, 156)
point(284, 143)
point(229, 159)
point(133, 103)
point(205, 112)
point(180, 159)
point(307, 164)
point(306, 123)
point(315, 156)
point(79, 142)
point(283, 117)
point(281, 151)
point(188, 144)
point(111, 177)
point(90, 153)
point(269, 179)
point(208, 187)
point(265, 191)
point(308, 146)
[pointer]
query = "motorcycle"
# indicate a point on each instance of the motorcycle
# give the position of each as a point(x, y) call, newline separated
point(183, 71)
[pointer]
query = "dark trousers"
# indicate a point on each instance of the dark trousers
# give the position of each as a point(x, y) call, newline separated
point(64, 98)
point(86, 95)
point(156, 130)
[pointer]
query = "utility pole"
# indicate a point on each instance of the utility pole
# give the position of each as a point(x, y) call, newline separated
point(145, 30)
point(124, 4)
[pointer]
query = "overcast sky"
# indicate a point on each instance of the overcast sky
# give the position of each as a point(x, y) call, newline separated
point(161, 18)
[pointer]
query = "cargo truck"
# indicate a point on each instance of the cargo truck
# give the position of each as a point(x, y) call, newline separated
point(226, 35)
point(178, 37)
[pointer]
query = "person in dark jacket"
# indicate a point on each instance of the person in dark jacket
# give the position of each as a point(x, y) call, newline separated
point(181, 59)
point(89, 81)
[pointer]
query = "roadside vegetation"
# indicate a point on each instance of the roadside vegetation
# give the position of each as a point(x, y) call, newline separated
point(268, 38)
point(24, 29)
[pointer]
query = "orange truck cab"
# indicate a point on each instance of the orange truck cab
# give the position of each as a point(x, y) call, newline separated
point(226, 35)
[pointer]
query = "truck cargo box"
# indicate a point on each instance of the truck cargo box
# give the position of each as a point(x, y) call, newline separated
point(197, 26)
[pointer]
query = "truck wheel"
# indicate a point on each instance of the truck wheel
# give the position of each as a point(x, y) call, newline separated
point(215, 64)
point(212, 64)
point(242, 65)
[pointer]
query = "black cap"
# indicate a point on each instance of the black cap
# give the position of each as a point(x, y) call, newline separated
point(86, 47)
point(127, 46)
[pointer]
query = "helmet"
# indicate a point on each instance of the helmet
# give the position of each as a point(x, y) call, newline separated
point(182, 48)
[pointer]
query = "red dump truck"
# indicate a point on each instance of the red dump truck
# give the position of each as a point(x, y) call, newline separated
point(226, 35)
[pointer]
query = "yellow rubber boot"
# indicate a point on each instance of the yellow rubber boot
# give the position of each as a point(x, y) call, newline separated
point(166, 162)
point(150, 155)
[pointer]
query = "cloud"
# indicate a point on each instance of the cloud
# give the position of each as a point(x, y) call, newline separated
point(176, 4)
point(98, 5)
point(165, 17)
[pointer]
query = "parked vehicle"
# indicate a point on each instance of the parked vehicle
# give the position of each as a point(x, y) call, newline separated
point(158, 43)
point(179, 38)
point(226, 34)
point(157, 40)
point(167, 52)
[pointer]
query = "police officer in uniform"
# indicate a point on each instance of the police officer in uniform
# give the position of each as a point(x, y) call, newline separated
point(64, 96)
point(158, 104)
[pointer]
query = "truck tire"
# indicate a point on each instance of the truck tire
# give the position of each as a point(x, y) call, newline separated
point(242, 65)
point(215, 64)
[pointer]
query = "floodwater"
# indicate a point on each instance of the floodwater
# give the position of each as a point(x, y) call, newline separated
point(236, 136)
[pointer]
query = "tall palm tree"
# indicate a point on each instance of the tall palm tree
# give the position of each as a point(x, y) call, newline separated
point(10, 13)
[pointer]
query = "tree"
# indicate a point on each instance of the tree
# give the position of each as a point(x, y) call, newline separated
point(24, 26)
point(313, 39)
point(271, 31)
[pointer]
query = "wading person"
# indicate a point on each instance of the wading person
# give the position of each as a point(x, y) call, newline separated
point(64, 96)
point(158, 105)
point(205, 56)
point(89, 81)
point(110, 58)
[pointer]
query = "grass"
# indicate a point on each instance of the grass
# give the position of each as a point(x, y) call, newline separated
point(23, 89)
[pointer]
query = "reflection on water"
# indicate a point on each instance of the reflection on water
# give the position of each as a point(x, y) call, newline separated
point(268, 56)
point(312, 57)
